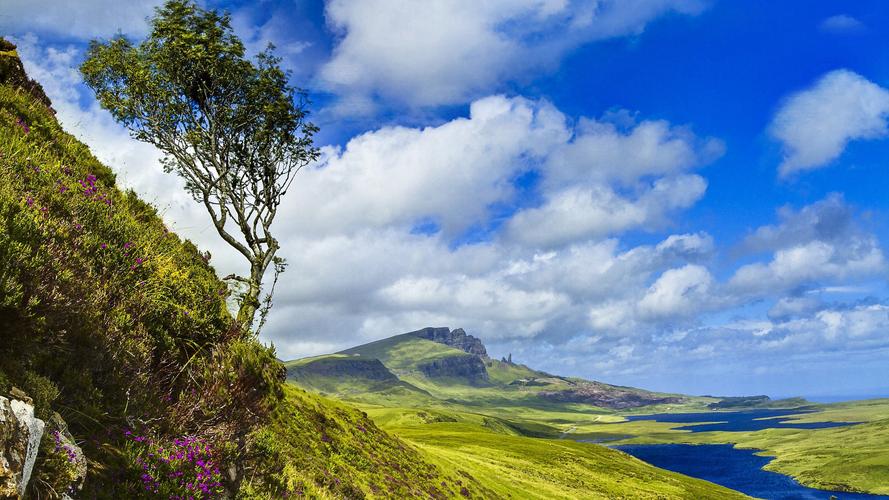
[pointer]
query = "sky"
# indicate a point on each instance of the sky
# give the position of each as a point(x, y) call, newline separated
point(680, 195)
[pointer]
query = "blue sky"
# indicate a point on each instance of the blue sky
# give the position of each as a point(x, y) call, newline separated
point(681, 195)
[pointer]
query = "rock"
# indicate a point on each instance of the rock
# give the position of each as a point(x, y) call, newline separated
point(454, 338)
point(467, 367)
point(20, 434)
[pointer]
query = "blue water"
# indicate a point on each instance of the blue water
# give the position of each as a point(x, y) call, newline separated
point(733, 468)
point(749, 420)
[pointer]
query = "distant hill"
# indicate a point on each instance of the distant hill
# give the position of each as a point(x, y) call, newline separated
point(452, 366)
point(502, 423)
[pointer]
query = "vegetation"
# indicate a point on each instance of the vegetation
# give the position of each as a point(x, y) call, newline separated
point(233, 129)
point(515, 466)
point(499, 433)
point(119, 328)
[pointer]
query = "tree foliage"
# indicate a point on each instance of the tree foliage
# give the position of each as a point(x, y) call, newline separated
point(233, 128)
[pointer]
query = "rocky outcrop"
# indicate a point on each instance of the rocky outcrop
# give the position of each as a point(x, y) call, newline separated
point(468, 367)
point(20, 434)
point(608, 396)
point(339, 367)
point(454, 338)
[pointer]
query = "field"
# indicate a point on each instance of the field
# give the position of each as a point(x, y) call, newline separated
point(515, 466)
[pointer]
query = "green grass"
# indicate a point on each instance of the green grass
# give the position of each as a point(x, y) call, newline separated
point(321, 448)
point(455, 421)
point(515, 466)
point(403, 353)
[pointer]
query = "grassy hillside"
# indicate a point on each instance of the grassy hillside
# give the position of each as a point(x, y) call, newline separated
point(119, 328)
point(514, 466)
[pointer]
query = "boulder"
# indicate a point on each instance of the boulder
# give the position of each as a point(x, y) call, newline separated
point(20, 434)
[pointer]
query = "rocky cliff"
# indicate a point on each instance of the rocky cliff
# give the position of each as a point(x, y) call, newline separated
point(468, 367)
point(30, 447)
point(457, 339)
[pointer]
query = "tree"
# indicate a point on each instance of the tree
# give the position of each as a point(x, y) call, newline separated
point(233, 128)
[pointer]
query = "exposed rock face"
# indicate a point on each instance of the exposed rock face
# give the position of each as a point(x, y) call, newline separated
point(469, 367)
point(608, 396)
point(455, 338)
point(20, 434)
point(354, 367)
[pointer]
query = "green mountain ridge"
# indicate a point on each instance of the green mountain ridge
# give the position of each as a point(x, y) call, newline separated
point(452, 365)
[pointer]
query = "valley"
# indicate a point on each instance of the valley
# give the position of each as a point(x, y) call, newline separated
point(510, 423)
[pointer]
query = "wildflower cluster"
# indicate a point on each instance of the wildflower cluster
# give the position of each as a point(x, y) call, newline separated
point(69, 450)
point(90, 190)
point(182, 469)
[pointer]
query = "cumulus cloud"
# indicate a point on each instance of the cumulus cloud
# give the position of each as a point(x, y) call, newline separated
point(451, 173)
point(815, 125)
point(76, 18)
point(583, 212)
point(821, 243)
point(677, 292)
point(450, 51)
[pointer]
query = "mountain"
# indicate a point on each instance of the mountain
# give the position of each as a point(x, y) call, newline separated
point(452, 366)
point(498, 421)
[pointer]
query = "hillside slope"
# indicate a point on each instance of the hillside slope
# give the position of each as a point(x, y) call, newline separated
point(116, 332)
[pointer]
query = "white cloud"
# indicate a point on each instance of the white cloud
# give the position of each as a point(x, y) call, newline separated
point(819, 244)
point(603, 152)
point(76, 18)
point(450, 51)
point(841, 23)
point(579, 213)
point(677, 292)
point(815, 125)
point(395, 176)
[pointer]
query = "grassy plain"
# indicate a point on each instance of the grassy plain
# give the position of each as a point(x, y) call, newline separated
point(512, 465)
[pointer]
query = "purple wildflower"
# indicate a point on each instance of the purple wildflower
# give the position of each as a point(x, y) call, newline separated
point(24, 125)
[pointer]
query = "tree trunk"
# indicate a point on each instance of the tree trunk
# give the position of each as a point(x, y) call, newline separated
point(250, 302)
